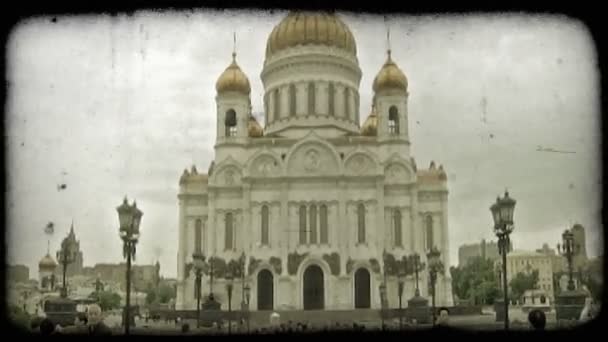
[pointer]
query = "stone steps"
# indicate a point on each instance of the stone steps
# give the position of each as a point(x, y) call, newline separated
point(317, 317)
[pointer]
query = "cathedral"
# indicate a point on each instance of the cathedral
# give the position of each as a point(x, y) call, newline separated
point(313, 210)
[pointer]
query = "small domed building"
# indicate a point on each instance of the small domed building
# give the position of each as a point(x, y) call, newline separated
point(306, 208)
point(47, 268)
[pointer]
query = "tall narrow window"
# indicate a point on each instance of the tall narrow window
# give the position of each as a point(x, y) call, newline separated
point(331, 93)
point(393, 120)
point(361, 223)
point(313, 224)
point(302, 225)
point(397, 224)
point(266, 112)
point(197, 235)
point(230, 123)
point(347, 110)
point(311, 98)
point(323, 216)
point(265, 225)
point(356, 109)
point(277, 105)
point(429, 232)
point(229, 234)
point(292, 100)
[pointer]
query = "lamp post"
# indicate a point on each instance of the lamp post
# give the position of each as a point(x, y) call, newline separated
point(401, 275)
point(129, 218)
point(382, 289)
point(198, 261)
point(569, 249)
point(435, 266)
point(65, 256)
point(247, 297)
point(502, 213)
point(416, 259)
point(229, 291)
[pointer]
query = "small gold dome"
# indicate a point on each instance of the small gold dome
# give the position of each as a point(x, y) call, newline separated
point(254, 128)
point(303, 28)
point(370, 126)
point(390, 76)
point(233, 79)
point(47, 262)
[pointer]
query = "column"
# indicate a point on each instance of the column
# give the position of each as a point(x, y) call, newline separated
point(211, 243)
point(246, 224)
point(341, 227)
point(181, 253)
point(301, 98)
point(340, 106)
point(321, 100)
point(284, 98)
point(380, 216)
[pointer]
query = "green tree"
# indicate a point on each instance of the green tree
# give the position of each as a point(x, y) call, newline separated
point(475, 281)
point(19, 317)
point(523, 282)
point(107, 300)
point(166, 293)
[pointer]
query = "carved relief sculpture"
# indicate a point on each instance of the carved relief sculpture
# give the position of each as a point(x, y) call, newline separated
point(229, 177)
point(375, 265)
point(312, 161)
point(276, 264)
point(349, 265)
point(253, 265)
point(293, 262)
point(333, 261)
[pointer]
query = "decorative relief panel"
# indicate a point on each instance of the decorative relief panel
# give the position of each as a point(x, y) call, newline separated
point(312, 159)
point(229, 176)
point(265, 166)
point(396, 173)
point(360, 164)
point(333, 260)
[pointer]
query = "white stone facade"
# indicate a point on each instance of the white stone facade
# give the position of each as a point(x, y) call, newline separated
point(316, 160)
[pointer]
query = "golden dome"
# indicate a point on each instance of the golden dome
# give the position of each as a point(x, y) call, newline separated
point(304, 28)
point(390, 76)
point(47, 262)
point(370, 126)
point(254, 128)
point(233, 79)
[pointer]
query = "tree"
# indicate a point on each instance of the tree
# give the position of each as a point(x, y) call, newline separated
point(592, 277)
point(523, 282)
point(165, 293)
point(475, 281)
point(107, 300)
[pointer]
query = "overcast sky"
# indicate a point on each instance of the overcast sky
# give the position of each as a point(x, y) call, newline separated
point(115, 106)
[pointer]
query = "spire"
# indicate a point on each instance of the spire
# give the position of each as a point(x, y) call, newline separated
point(234, 46)
point(388, 38)
point(48, 247)
point(72, 228)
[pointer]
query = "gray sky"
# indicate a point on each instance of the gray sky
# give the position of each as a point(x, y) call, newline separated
point(115, 106)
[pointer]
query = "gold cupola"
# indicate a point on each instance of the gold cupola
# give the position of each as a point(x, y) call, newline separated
point(253, 128)
point(370, 126)
point(310, 28)
point(233, 79)
point(390, 76)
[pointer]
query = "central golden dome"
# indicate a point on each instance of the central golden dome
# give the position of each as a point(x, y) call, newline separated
point(310, 28)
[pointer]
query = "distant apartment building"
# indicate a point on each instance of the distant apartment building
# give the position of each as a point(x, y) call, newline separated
point(143, 276)
point(486, 250)
point(527, 262)
point(18, 274)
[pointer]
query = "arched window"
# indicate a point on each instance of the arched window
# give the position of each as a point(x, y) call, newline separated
point(397, 224)
point(302, 225)
point(361, 223)
point(230, 123)
point(323, 214)
point(311, 98)
point(265, 225)
point(229, 234)
point(313, 224)
point(393, 120)
point(292, 100)
point(429, 232)
point(347, 109)
point(331, 93)
point(197, 235)
point(277, 105)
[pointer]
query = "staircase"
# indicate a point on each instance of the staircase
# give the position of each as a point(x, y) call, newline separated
point(316, 317)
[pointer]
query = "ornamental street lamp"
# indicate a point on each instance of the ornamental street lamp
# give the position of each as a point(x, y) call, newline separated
point(401, 277)
point(247, 298)
point(416, 259)
point(129, 217)
point(502, 213)
point(229, 290)
point(435, 266)
point(382, 289)
point(198, 261)
point(66, 256)
point(569, 249)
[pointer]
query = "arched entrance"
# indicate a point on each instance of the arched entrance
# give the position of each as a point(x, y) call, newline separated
point(314, 290)
point(362, 289)
point(265, 290)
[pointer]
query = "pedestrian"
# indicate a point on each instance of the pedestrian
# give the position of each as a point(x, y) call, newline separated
point(46, 327)
point(444, 316)
point(96, 326)
point(586, 314)
point(537, 319)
